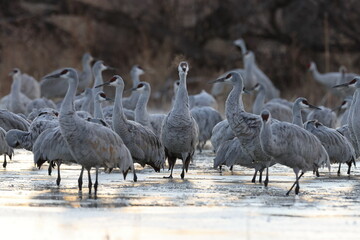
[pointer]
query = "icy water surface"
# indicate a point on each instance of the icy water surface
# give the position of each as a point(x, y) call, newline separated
point(206, 205)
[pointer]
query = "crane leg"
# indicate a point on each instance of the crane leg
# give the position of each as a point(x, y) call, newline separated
point(5, 163)
point(349, 164)
point(232, 167)
point(135, 176)
point(50, 168)
point(80, 180)
point(295, 183)
point(96, 181)
point(171, 161)
point(266, 182)
point(58, 180)
point(220, 169)
point(338, 172)
point(253, 180)
point(90, 182)
point(260, 175)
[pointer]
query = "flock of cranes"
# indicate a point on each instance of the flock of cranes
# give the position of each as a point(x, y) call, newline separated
point(89, 130)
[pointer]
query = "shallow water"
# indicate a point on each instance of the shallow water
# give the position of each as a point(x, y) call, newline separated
point(207, 204)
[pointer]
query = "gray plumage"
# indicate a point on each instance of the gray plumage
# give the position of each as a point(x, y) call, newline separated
point(145, 147)
point(280, 110)
point(331, 79)
point(9, 120)
point(180, 131)
point(39, 103)
point(152, 121)
point(324, 115)
point(231, 153)
point(130, 102)
point(221, 132)
point(246, 126)
point(344, 130)
point(292, 146)
point(36, 112)
point(5, 149)
point(253, 73)
point(26, 139)
point(51, 146)
point(90, 144)
point(16, 101)
point(108, 113)
point(99, 98)
point(339, 149)
point(202, 99)
point(344, 110)
point(29, 86)
point(206, 119)
point(52, 87)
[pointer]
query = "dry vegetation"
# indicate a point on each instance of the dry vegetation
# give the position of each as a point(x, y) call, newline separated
point(41, 35)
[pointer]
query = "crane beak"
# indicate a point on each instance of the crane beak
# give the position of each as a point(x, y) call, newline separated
point(217, 80)
point(111, 68)
point(247, 91)
point(341, 85)
point(102, 85)
point(336, 108)
point(133, 89)
point(56, 75)
point(314, 107)
point(108, 99)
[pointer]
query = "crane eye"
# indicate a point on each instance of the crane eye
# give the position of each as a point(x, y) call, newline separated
point(353, 81)
point(305, 102)
point(103, 95)
point(343, 103)
point(140, 85)
point(228, 76)
point(113, 79)
point(139, 67)
point(64, 71)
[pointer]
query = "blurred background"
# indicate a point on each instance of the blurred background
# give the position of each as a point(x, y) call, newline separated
point(39, 36)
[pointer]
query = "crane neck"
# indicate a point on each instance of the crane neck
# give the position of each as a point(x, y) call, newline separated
point(135, 78)
point(68, 104)
point(181, 105)
point(118, 112)
point(86, 105)
point(259, 102)
point(266, 137)
point(141, 113)
point(16, 85)
point(234, 103)
point(98, 81)
point(98, 112)
point(297, 118)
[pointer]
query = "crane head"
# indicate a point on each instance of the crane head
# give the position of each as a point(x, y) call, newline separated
point(265, 115)
point(183, 67)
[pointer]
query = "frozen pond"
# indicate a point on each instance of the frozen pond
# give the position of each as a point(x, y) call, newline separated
point(206, 205)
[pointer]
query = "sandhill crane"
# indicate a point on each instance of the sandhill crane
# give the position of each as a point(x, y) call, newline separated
point(324, 115)
point(331, 79)
point(206, 119)
point(292, 146)
point(152, 121)
point(145, 147)
point(279, 111)
point(4, 147)
point(50, 146)
point(39, 103)
point(90, 144)
point(246, 126)
point(16, 101)
point(221, 132)
point(9, 120)
point(51, 87)
point(299, 105)
point(130, 102)
point(337, 146)
point(25, 139)
point(179, 130)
